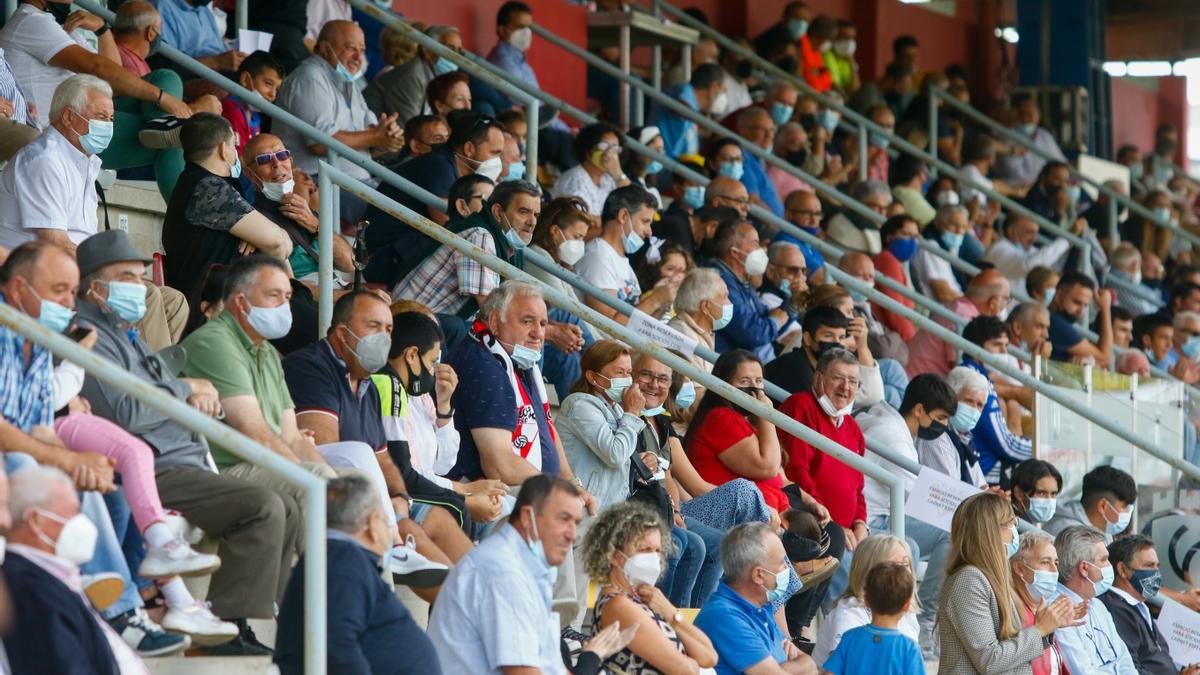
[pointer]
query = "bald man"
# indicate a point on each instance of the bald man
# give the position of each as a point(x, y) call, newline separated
point(276, 196)
point(988, 294)
point(758, 127)
point(726, 191)
point(322, 91)
point(1017, 252)
point(802, 208)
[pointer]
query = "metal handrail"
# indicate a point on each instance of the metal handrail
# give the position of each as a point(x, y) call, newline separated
point(229, 438)
point(332, 175)
point(1138, 290)
point(936, 93)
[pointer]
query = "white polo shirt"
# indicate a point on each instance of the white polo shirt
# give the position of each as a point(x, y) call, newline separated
point(48, 185)
point(30, 39)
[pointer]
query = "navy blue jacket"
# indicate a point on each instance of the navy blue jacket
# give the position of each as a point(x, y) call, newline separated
point(53, 630)
point(369, 630)
point(751, 328)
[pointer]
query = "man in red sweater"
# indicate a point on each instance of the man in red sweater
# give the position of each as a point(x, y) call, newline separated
point(826, 410)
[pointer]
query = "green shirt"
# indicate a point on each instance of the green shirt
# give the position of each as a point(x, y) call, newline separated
point(841, 70)
point(222, 353)
point(302, 263)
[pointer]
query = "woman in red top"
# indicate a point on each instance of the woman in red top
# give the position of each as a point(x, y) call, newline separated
point(724, 443)
point(899, 237)
point(1037, 555)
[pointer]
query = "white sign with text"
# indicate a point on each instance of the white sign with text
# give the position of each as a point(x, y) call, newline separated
point(660, 333)
point(935, 496)
point(1181, 627)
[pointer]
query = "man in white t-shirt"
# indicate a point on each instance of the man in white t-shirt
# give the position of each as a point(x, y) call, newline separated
point(626, 218)
point(932, 274)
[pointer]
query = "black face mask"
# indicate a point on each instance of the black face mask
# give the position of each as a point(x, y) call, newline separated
point(807, 120)
point(797, 158)
point(421, 383)
point(752, 392)
point(931, 432)
point(60, 12)
point(743, 69)
point(825, 346)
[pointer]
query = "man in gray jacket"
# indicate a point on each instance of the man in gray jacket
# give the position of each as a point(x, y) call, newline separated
point(249, 521)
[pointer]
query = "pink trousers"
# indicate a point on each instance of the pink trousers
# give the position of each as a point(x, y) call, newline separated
point(135, 461)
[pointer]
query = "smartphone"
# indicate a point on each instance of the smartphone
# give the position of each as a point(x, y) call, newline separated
point(77, 333)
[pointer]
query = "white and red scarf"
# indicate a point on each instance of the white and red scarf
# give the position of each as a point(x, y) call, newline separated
point(526, 437)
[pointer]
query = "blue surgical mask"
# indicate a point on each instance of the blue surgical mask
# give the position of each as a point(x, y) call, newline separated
point(965, 418)
point(1191, 348)
point(525, 358)
point(1073, 193)
point(633, 243)
point(616, 387)
point(1136, 171)
point(781, 583)
point(516, 171)
point(1044, 584)
point(1106, 578)
point(879, 140)
point(951, 240)
point(726, 316)
point(1162, 214)
point(1015, 544)
point(235, 171)
point(1146, 582)
point(654, 412)
point(903, 249)
point(857, 296)
point(686, 395)
point(271, 322)
point(52, 315)
point(654, 167)
point(828, 119)
point(693, 196)
point(785, 287)
point(1041, 509)
point(127, 299)
point(733, 170)
point(539, 552)
point(347, 75)
point(1123, 518)
point(444, 65)
point(1050, 295)
point(514, 239)
point(1027, 129)
point(98, 136)
point(781, 112)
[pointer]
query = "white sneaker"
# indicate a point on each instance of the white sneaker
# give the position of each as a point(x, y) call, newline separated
point(410, 568)
point(177, 559)
point(199, 623)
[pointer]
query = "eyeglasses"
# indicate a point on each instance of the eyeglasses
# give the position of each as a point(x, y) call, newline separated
point(647, 376)
point(795, 269)
point(740, 201)
point(263, 160)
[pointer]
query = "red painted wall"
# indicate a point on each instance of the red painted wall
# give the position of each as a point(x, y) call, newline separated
point(1139, 106)
point(558, 72)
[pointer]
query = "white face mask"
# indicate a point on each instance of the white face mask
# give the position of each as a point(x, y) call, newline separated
point(521, 38)
point(76, 541)
point(276, 191)
point(720, 105)
point(571, 251)
point(490, 168)
point(642, 568)
point(756, 262)
point(827, 406)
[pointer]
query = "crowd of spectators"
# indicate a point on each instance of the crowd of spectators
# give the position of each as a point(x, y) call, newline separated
point(563, 501)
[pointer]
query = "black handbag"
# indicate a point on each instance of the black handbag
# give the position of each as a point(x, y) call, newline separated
point(643, 488)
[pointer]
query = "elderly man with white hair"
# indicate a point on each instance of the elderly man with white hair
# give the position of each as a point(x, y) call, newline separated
point(1186, 347)
point(951, 453)
point(1127, 270)
point(1017, 252)
point(58, 631)
point(702, 307)
point(48, 191)
point(1085, 572)
point(737, 617)
point(786, 278)
point(853, 231)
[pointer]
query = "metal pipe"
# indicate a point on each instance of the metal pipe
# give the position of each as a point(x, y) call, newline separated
point(325, 254)
point(1136, 289)
point(245, 448)
point(679, 364)
point(1013, 137)
point(713, 127)
point(241, 18)
point(10, 6)
point(624, 49)
point(992, 361)
point(863, 150)
point(533, 119)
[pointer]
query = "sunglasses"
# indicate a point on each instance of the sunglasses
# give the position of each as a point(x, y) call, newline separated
point(263, 160)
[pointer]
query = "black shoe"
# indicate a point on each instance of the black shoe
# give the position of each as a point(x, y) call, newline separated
point(245, 644)
point(162, 133)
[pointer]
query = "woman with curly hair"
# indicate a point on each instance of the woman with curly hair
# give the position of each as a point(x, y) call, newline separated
point(623, 551)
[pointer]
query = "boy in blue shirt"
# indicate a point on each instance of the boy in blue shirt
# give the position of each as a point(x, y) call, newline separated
point(879, 648)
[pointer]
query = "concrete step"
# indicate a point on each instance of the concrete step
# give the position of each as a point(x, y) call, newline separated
point(208, 665)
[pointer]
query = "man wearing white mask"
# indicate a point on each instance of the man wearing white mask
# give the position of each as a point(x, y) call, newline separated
point(323, 91)
point(738, 259)
point(1017, 253)
point(58, 630)
point(494, 613)
point(1085, 572)
point(840, 60)
point(268, 165)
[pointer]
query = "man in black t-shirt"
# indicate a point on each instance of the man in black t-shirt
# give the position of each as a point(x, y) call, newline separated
point(208, 221)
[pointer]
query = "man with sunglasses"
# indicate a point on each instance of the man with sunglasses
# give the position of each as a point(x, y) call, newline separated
point(268, 165)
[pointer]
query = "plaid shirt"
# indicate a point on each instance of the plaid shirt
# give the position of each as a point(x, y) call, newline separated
point(447, 279)
point(26, 393)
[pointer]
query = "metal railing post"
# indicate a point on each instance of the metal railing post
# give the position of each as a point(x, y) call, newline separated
point(328, 193)
point(241, 14)
point(625, 49)
point(864, 148)
point(533, 119)
point(650, 348)
point(151, 396)
point(335, 192)
point(10, 6)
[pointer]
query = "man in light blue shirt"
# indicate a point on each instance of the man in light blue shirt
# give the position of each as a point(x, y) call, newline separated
point(1084, 572)
point(705, 93)
point(191, 27)
point(494, 609)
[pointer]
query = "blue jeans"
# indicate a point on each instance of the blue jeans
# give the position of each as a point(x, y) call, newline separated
point(710, 570)
point(109, 557)
point(683, 566)
point(562, 370)
point(929, 543)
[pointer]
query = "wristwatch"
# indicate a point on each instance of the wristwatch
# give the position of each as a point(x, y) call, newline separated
point(677, 618)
